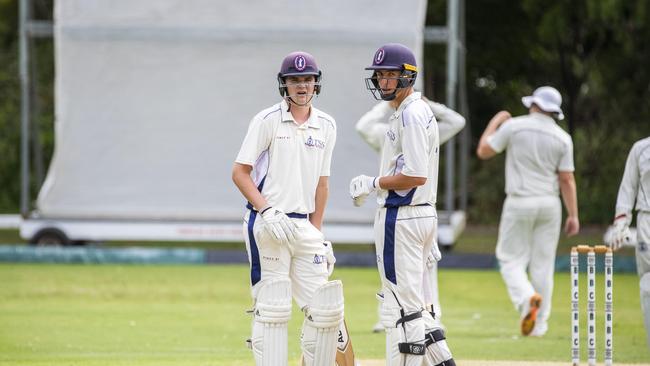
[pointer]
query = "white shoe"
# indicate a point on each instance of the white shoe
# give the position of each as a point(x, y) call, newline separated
point(378, 328)
point(539, 330)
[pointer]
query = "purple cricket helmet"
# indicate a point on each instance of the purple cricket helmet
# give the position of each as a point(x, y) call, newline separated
point(298, 63)
point(392, 56)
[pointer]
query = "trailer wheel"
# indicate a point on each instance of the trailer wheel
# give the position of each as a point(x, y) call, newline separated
point(50, 236)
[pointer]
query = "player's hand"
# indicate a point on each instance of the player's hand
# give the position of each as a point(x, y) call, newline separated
point(279, 225)
point(361, 186)
point(501, 117)
point(329, 257)
point(620, 233)
point(571, 226)
point(434, 255)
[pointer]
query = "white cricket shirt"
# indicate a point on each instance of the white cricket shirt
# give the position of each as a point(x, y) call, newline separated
point(411, 147)
point(537, 149)
point(636, 180)
point(288, 159)
point(372, 126)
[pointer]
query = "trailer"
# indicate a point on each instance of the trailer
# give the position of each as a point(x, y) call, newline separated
point(154, 98)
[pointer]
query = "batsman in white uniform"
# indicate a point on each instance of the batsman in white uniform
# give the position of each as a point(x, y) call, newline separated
point(372, 127)
point(405, 223)
point(539, 166)
point(635, 187)
point(282, 169)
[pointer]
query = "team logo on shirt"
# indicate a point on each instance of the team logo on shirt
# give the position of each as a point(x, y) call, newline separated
point(391, 135)
point(319, 259)
point(312, 142)
point(379, 56)
point(299, 62)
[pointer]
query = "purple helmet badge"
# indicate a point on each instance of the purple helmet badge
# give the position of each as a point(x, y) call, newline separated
point(379, 56)
point(300, 63)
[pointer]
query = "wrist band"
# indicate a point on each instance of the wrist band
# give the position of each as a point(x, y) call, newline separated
point(263, 210)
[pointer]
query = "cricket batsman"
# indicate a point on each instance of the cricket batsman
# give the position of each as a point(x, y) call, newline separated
point(372, 127)
point(282, 169)
point(405, 222)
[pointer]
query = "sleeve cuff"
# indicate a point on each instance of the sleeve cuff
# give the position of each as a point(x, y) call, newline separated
point(492, 145)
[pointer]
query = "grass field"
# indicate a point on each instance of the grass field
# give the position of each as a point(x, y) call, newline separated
point(194, 315)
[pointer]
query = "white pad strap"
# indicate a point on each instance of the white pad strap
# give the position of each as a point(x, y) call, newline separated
point(271, 314)
point(323, 317)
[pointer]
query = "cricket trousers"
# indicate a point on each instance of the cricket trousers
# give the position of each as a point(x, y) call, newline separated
point(302, 261)
point(403, 239)
point(528, 236)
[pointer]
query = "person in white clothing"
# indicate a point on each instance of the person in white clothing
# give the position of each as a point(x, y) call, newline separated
point(405, 223)
point(635, 187)
point(282, 169)
point(539, 166)
point(372, 127)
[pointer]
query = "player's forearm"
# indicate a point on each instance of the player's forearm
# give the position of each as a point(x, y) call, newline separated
point(484, 151)
point(242, 179)
point(625, 201)
point(322, 193)
point(400, 182)
point(628, 189)
point(372, 128)
point(450, 122)
point(569, 194)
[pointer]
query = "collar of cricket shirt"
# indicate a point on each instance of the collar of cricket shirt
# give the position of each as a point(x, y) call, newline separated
point(542, 117)
point(311, 122)
point(408, 100)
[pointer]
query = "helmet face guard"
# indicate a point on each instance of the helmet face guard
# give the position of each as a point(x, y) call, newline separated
point(392, 57)
point(405, 80)
point(284, 91)
point(299, 64)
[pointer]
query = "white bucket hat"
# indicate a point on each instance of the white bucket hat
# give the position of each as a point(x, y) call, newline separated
point(547, 98)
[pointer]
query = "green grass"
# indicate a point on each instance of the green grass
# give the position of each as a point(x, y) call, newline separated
point(194, 315)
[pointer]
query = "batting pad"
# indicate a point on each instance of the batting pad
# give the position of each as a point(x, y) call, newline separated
point(323, 317)
point(437, 351)
point(271, 314)
point(400, 330)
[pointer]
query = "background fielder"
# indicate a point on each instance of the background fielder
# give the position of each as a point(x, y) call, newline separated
point(539, 165)
point(372, 127)
point(288, 150)
point(635, 187)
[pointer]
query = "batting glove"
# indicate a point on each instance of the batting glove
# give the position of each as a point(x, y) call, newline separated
point(329, 257)
point(621, 232)
point(434, 256)
point(279, 225)
point(361, 186)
